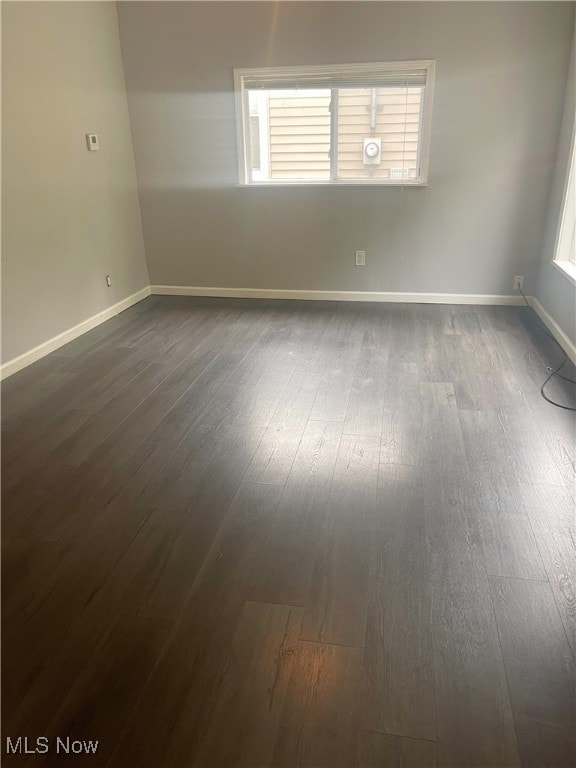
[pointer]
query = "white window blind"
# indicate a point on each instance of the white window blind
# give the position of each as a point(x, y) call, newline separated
point(374, 77)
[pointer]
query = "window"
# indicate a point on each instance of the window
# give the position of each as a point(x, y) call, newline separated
point(345, 124)
point(565, 253)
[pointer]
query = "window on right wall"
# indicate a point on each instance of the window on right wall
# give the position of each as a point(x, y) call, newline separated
point(565, 252)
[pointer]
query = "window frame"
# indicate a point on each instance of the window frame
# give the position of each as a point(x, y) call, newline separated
point(368, 68)
point(566, 232)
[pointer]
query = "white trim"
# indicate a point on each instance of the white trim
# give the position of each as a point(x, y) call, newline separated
point(562, 338)
point(568, 269)
point(242, 137)
point(17, 363)
point(288, 183)
point(564, 243)
point(426, 125)
point(306, 295)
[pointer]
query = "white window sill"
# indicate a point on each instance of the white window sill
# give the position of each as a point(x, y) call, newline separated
point(568, 269)
point(333, 184)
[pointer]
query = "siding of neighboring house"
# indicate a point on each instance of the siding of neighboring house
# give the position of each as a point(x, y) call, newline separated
point(397, 124)
point(300, 133)
point(300, 136)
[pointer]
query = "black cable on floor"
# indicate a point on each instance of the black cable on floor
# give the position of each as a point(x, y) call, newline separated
point(553, 371)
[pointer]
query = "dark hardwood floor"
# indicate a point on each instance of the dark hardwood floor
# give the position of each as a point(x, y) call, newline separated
point(257, 533)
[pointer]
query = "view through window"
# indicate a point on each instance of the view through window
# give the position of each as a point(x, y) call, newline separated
point(369, 126)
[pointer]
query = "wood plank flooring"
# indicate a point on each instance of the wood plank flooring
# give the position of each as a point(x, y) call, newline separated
point(268, 533)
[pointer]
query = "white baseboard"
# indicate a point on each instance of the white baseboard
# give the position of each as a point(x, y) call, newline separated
point(12, 366)
point(382, 296)
point(17, 363)
point(565, 342)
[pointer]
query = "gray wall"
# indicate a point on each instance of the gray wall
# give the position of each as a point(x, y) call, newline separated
point(553, 289)
point(69, 216)
point(500, 79)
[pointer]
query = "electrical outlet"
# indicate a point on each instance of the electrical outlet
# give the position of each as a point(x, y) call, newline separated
point(518, 282)
point(108, 281)
point(360, 260)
